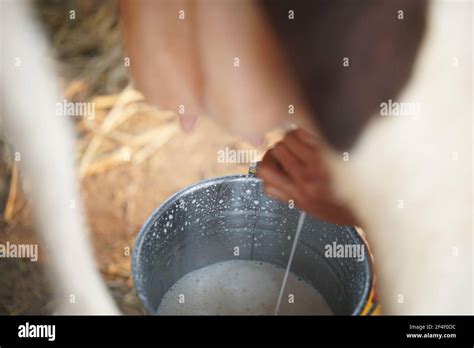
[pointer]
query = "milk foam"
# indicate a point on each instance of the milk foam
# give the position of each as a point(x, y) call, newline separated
point(241, 287)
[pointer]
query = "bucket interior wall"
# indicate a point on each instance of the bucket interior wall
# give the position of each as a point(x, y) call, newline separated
point(204, 223)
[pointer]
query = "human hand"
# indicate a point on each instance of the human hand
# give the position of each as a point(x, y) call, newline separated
point(294, 170)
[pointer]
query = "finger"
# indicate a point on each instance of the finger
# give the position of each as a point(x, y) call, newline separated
point(272, 175)
point(332, 213)
point(273, 192)
point(301, 149)
point(304, 177)
point(308, 136)
point(308, 154)
point(268, 160)
point(281, 194)
point(287, 160)
point(269, 169)
point(281, 160)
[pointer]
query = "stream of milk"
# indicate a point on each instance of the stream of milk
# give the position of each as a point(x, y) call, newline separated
point(290, 260)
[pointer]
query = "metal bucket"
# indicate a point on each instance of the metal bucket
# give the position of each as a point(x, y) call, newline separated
point(204, 223)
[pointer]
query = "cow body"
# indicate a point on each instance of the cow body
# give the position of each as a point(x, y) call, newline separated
point(409, 177)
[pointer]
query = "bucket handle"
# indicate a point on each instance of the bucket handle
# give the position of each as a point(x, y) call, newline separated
point(253, 168)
